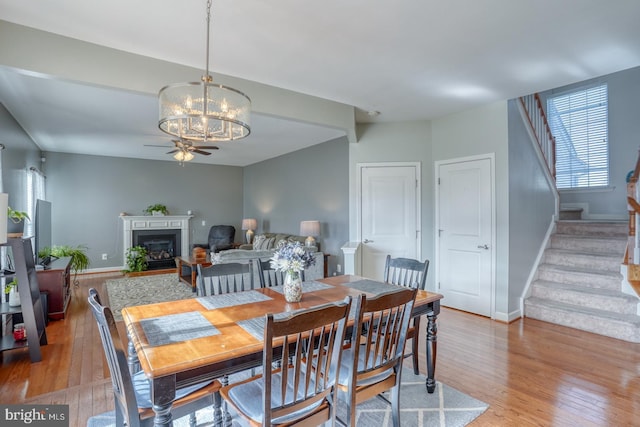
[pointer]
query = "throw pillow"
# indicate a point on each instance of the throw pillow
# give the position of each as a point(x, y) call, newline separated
point(264, 244)
point(258, 240)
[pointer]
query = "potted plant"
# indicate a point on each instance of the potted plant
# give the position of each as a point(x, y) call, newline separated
point(136, 259)
point(11, 289)
point(79, 259)
point(15, 220)
point(157, 209)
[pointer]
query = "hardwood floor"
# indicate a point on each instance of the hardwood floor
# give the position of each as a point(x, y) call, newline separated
point(529, 372)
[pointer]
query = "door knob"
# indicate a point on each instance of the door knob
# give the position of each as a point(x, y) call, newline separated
point(367, 241)
point(483, 246)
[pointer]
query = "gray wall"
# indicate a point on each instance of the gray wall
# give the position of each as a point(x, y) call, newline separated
point(531, 205)
point(88, 193)
point(474, 132)
point(309, 184)
point(397, 142)
point(624, 128)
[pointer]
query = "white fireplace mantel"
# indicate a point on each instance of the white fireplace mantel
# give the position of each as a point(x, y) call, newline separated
point(166, 222)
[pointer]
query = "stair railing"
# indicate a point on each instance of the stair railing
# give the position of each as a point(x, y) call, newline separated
point(539, 126)
point(633, 207)
point(632, 254)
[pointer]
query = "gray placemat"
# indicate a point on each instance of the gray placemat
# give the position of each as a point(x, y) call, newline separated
point(371, 286)
point(306, 287)
point(255, 326)
point(176, 328)
point(231, 299)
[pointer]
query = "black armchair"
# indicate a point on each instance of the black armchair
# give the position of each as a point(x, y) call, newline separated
point(220, 238)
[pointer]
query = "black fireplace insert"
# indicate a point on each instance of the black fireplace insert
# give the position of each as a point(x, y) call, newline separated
point(162, 246)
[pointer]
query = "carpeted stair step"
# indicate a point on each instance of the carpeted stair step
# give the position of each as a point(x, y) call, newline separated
point(585, 277)
point(603, 299)
point(590, 228)
point(599, 244)
point(590, 260)
point(609, 323)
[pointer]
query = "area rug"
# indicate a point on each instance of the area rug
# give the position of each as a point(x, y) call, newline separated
point(446, 407)
point(130, 291)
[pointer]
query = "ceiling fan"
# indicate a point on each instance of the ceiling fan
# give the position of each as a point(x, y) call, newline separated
point(183, 149)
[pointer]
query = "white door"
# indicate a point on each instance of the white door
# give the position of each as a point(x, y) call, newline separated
point(465, 234)
point(389, 213)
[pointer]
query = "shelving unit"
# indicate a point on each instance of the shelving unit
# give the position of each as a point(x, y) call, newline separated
point(31, 304)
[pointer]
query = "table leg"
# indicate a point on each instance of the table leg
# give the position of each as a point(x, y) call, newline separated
point(432, 347)
point(163, 393)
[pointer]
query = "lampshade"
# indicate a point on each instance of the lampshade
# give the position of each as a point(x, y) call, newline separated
point(249, 224)
point(310, 229)
point(4, 204)
point(204, 111)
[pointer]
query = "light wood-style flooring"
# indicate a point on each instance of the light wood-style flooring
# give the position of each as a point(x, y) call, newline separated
point(531, 373)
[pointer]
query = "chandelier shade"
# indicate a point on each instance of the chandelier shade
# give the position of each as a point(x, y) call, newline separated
point(204, 111)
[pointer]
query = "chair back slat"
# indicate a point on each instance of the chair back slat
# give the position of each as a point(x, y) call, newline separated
point(311, 348)
point(384, 321)
point(224, 278)
point(406, 272)
point(270, 277)
point(115, 354)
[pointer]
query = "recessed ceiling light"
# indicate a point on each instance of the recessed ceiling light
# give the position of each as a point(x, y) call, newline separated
point(373, 113)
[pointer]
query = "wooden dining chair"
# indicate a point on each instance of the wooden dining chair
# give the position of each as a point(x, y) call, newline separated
point(224, 278)
point(413, 274)
point(132, 392)
point(270, 277)
point(303, 392)
point(372, 363)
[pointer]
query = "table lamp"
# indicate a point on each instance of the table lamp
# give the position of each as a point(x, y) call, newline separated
point(249, 224)
point(310, 229)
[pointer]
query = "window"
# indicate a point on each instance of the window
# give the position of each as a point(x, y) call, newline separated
point(35, 191)
point(579, 123)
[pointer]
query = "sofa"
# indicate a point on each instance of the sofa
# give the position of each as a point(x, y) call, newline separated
point(263, 248)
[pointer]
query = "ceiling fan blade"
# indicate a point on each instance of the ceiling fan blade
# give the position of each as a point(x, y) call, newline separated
point(206, 153)
point(206, 147)
point(173, 151)
point(151, 145)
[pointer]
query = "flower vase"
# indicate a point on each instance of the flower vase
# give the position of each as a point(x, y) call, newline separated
point(292, 287)
point(14, 297)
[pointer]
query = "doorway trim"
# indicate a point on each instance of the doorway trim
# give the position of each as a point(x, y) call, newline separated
point(437, 164)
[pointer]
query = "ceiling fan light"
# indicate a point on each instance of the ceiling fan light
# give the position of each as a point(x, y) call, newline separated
point(183, 156)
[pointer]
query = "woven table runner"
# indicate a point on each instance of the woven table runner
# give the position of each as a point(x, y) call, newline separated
point(177, 328)
point(232, 299)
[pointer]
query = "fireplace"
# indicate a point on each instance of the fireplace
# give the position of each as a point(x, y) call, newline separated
point(162, 246)
point(165, 237)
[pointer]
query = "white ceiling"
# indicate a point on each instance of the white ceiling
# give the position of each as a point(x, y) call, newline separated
point(408, 59)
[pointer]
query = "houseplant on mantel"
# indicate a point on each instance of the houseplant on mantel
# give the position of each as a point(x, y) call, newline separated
point(157, 210)
point(15, 222)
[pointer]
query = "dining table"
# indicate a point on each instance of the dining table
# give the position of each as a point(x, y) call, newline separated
point(184, 342)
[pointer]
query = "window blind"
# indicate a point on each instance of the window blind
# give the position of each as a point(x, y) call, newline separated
point(579, 122)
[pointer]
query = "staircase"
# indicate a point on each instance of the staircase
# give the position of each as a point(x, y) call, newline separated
point(578, 281)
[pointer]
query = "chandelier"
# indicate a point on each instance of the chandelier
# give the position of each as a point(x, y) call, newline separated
point(204, 111)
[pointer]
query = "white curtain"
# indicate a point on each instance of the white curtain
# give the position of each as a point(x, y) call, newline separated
point(35, 191)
